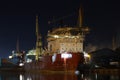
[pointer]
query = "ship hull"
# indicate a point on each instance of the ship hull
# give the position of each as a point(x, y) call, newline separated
point(58, 62)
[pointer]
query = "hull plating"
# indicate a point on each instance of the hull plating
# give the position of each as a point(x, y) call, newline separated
point(57, 62)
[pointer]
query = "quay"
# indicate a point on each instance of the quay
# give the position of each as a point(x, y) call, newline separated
point(105, 71)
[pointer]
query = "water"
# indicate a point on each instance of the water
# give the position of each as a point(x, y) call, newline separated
point(56, 76)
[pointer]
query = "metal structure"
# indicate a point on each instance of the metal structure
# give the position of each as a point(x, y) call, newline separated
point(38, 40)
point(67, 39)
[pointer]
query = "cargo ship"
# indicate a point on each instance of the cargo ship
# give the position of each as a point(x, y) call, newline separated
point(64, 49)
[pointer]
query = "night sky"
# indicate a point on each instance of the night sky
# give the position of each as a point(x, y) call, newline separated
point(17, 20)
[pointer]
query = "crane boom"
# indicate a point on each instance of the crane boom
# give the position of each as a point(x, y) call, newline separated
point(61, 18)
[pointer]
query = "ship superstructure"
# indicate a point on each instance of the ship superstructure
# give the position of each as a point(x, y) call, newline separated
point(67, 39)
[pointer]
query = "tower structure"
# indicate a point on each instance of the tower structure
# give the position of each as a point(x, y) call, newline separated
point(83, 30)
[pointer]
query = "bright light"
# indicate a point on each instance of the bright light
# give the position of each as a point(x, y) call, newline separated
point(54, 58)
point(10, 57)
point(96, 66)
point(29, 60)
point(56, 36)
point(13, 52)
point(21, 64)
point(66, 55)
point(77, 72)
point(21, 77)
point(31, 52)
point(87, 55)
point(66, 36)
point(29, 78)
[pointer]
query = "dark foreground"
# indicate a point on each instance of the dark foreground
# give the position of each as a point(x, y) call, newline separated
point(107, 74)
point(8, 75)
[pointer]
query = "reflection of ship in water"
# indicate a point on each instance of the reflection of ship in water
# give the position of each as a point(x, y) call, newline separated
point(39, 76)
point(65, 49)
point(36, 76)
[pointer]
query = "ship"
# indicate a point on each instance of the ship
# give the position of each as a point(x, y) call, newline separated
point(64, 49)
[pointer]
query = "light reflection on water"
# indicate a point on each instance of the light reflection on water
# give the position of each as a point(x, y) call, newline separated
point(56, 76)
point(60, 76)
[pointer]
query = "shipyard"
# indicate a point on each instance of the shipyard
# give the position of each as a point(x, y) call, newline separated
point(60, 40)
point(64, 53)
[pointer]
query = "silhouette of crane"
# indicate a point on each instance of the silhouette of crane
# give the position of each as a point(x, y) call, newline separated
point(60, 19)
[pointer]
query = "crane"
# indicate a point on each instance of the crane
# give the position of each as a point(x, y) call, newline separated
point(59, 19)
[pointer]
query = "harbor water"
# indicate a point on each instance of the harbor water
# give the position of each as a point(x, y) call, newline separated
point(57, 76)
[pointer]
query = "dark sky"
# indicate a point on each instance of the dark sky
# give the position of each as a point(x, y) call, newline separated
point(17, 20)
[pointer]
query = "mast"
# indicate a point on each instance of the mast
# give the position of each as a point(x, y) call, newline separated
point(80, 17)
point(83, 30)
point(80, 26)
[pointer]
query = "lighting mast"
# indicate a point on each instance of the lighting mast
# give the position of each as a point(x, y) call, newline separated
point(38, 40)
